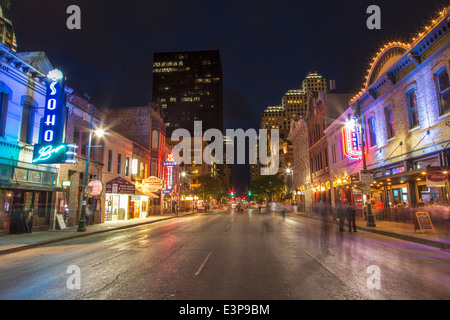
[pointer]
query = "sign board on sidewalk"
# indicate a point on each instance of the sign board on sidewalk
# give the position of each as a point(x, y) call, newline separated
point(61, 223)
point(423, 222)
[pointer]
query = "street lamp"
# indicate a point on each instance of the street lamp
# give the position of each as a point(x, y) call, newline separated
point(181, 174)
point(99, 133)
point(370, 217)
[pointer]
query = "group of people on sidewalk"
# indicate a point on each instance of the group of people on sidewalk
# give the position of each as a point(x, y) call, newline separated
point(346, 211)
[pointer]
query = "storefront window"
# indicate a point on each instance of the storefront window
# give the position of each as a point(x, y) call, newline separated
point(47, 178)
point(21, 174)
point(35, 176)
point(6, 172)
point(5, 209)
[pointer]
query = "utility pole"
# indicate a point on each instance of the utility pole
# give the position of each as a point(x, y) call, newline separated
point(370, 217)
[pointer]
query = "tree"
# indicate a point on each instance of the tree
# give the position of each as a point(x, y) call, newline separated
point(210, 187)
point(6, 4)
point(267, 187)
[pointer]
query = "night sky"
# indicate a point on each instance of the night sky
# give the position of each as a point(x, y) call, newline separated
point(267, 47)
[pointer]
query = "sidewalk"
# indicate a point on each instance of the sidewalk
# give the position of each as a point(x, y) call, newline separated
point(438, 239)
point(18, 242)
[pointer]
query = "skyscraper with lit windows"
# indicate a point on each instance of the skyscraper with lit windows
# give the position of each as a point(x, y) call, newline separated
point(189, 87)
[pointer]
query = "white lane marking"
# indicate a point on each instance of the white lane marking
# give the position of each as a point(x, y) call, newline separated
point(203, 264)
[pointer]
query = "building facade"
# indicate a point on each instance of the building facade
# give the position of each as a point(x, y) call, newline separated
point(403, 114)
point(28, 191)
point(77, 132)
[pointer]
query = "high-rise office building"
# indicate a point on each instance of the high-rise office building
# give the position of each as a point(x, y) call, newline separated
point(7, 35)
point(294, 103)
point(189, 87)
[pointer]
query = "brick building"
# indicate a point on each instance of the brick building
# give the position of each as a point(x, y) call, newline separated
point(404, 117)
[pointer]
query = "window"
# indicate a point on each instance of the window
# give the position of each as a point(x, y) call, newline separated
point(119, 163)
point(333, 154)
point(326, 157)
point(110, 160)
point(27, 128)
point(412, 109)
point(443, 90)
point(141, 170)
point(127, 166)
point(155, 139)
point(81, 139)
point(389, 114)
point(154, 168)
point(371, 127)
point(3, 111)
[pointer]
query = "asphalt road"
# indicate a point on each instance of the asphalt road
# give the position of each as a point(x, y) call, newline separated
point(222, 256)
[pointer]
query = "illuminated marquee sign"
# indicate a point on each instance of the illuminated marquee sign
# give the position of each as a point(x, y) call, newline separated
point(168, 173)
point(351, 139)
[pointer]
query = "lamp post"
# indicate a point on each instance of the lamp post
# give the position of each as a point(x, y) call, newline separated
point(100, 132)
point(287, 187)
point(370, 217)
point(181, 174)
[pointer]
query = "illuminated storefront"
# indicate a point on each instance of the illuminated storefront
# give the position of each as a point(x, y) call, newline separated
point(118, 200)
point(30, 191)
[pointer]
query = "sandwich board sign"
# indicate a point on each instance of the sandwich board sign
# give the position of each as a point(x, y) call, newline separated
point(423, 222)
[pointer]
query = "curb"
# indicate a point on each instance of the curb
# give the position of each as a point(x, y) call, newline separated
point(81, 235)
point(427, 242)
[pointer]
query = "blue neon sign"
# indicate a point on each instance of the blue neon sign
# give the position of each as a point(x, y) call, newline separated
point(54, 153)
point(52, 129)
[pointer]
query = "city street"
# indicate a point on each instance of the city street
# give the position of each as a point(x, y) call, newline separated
point(232, 256)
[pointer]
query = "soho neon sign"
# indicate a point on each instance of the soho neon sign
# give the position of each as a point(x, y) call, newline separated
point(351, 140)
point(51, 148)
point(53, 126)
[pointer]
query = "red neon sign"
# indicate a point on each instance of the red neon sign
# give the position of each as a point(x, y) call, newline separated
point(351, 139)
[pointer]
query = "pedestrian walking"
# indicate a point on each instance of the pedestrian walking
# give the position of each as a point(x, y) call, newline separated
point(351, 217)
point(324, 216)
point(342, 213)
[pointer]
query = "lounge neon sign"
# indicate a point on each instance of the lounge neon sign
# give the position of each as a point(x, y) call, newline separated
point(351, 140)
point(54, 153)
point(168, 173)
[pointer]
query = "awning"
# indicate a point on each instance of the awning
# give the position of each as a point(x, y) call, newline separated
point(30, 186)
point(149, 194)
